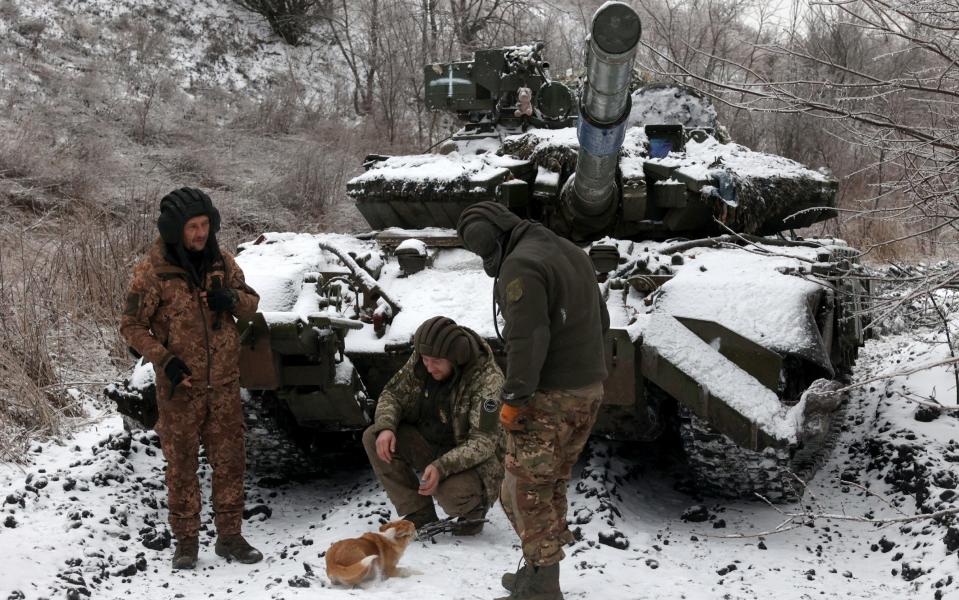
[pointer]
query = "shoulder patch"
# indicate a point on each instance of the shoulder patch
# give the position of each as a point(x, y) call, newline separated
point(489, 417)
point(514, 290)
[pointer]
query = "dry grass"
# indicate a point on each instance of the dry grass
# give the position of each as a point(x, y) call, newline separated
point(44, 164)
point(61, 287)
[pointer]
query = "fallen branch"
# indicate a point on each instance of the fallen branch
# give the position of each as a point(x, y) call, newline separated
point(858, 384)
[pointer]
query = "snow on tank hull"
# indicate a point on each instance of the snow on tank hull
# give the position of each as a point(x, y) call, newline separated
point(725, 338)
point(731, 343)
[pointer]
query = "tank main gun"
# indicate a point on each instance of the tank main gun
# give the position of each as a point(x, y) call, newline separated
point(590, 196)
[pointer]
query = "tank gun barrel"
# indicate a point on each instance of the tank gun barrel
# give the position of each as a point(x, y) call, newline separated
point(590, 197)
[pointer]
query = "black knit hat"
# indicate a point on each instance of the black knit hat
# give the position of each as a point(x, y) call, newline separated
point(441, 337)
point(178, 207)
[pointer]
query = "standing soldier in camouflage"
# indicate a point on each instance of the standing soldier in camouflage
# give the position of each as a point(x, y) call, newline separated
point(439, 414)
point(180, 316)
point(555, 368)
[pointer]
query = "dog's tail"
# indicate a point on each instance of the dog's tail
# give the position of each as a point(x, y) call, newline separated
point(355, 573)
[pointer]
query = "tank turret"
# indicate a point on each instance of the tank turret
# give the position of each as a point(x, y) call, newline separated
point(651, 163)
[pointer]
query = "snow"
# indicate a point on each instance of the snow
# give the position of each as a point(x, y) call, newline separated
point(417, 246)
point(738, 289)
point(208, 43)
point(616, 494)
point(702, 157)
point(670, 106)
point(455, 285)
point(724, 380)
point(438, 168)
point(747, 293)
point(143, 375)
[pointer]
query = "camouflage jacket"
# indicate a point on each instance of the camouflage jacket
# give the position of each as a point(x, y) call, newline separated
point(474, 402)
point(165, 317)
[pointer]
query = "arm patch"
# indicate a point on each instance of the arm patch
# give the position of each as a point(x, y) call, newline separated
point(133, 305)
point(514, 290)
point(489, 415)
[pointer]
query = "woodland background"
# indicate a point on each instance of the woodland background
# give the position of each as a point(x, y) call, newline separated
point(271, 105)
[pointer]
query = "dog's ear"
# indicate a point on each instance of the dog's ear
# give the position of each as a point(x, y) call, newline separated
point(386, 526)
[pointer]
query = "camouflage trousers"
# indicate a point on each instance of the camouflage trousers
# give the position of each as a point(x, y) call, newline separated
point(539, 464)
point(457, 493)
point(213, 417)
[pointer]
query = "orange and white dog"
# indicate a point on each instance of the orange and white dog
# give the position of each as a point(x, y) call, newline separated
point(353, 560)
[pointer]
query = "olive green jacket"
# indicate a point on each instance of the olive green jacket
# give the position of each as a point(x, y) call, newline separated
point(474, 404)
point(555, 315)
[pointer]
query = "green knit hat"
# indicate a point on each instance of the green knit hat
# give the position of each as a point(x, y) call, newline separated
point(441, 337)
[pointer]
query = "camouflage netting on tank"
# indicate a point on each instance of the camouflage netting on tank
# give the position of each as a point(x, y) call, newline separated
point(668, 104)
point(427, 190)
point(556, 149)
point(552, 149)
point(763, 206)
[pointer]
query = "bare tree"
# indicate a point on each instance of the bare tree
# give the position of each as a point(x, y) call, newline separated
point(471, 17)
point(355, 29)
point(289, 19)
point(870, 84)
point(882, 77)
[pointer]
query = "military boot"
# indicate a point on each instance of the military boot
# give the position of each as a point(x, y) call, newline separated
point(537, 583)
point(471, 523)
point(234, 547)
point(509, 580)
point(423, 516)
point(184, 557)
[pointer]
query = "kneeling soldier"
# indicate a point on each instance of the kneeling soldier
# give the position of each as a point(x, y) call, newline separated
point(439, 414)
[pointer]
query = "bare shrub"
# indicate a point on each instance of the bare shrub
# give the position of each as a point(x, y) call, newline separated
point(145, 41)
point(47, 162)
point(311, 179)
point(9, 11)
point(289, 19)
point(82, 30)
point(251, 213)
point(61, 292)
point(151, 88)
point(94, 261)
point(278, 112)
point(201, 166)
point(31, 28)
point(28, 398)
point(316, 176)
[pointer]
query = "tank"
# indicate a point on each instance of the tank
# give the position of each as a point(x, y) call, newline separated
point(727, 334)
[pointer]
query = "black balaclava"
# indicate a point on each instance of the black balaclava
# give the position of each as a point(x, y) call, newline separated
point(484, 228)
point(176, 208)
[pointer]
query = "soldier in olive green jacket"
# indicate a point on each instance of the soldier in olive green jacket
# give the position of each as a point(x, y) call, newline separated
point(556, 319)
point(440, 415)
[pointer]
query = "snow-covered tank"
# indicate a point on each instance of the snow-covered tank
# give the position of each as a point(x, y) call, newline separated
point(730, 337)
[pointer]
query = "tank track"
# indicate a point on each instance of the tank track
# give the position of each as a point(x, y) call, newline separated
point(722, 468)
point(271, 450)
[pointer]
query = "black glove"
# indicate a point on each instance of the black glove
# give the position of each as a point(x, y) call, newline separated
point(176, 371)
point(222, 299)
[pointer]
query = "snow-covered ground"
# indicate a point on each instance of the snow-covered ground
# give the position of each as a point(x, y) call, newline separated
point(86, 518)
